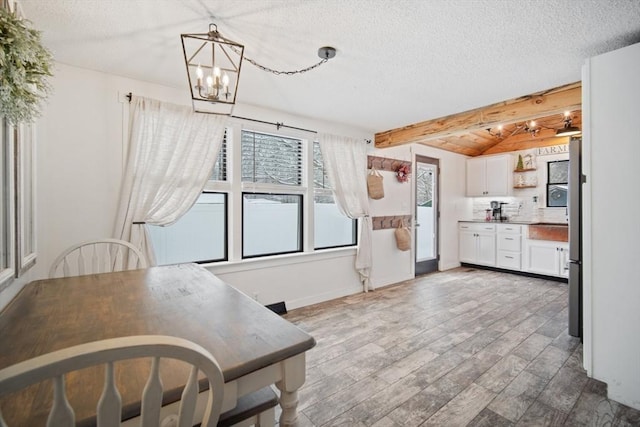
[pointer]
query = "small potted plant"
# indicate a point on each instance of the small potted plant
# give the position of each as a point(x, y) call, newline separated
point(25, 66)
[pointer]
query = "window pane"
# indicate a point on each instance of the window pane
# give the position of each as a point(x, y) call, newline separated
point(557, 195)
point(331, 227)
point(271, 224)
point(559, 172)
point(557, 179)
point(4, 197)
point(200, 235)
point(220, 168)
point(271, 159)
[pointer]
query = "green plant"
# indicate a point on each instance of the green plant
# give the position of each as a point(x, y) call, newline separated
point(25, 66)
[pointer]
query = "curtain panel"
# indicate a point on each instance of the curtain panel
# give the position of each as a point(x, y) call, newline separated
point(345, 160)
point(172, 153)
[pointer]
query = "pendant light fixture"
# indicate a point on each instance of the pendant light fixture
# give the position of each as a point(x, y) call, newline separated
point(213, 69)
point(568, 129)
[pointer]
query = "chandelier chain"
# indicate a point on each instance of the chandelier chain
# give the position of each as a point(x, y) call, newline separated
point(277, 72)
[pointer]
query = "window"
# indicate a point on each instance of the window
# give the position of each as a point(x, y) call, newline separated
point(271, 159)
point(272, 212)
point(198, 236)
point(256, 203)
point(557, 183)
point(7, 213)
point(271, 224)
point(331, 227)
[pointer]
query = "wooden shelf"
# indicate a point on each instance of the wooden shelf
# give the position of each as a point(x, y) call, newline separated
point(524, 170)
point(525, 186)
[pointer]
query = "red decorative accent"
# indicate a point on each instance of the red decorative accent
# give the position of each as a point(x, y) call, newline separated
point(403, 172)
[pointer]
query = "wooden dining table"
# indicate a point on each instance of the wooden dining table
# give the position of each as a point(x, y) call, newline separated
point(254, 346)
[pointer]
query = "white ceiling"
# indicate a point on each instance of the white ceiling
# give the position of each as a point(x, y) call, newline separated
point(398, 62)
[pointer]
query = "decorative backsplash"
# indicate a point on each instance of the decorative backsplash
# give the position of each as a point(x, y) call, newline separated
point(520, 208)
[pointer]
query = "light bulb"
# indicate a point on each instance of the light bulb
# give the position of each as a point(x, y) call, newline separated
point(199, 72)
point(216, 71)
point(225, 80)
point(209, 81)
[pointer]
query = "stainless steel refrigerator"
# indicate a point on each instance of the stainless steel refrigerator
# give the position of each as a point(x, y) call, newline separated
point(576, 179)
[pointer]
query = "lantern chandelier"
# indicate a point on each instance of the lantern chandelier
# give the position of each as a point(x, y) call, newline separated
point(213, 68)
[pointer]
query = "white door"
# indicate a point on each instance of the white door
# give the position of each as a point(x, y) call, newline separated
point(426, 188)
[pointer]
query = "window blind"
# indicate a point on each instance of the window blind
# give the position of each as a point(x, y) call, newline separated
point(271, 159)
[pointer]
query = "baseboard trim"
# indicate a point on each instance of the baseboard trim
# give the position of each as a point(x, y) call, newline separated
point(519, 273)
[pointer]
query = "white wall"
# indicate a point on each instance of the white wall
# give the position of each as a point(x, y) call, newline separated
point(611, 149)
point(81, 150)
point(391, 265)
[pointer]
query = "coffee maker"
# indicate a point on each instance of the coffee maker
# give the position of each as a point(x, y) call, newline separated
point(496, 211)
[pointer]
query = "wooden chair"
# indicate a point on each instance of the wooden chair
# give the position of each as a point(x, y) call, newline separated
point(97, 256)
point(55, 365)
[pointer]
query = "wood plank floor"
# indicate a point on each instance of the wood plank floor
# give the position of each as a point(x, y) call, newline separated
point(465, 347)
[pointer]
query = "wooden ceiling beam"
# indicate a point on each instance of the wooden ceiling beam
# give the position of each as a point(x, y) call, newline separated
point(530, 107)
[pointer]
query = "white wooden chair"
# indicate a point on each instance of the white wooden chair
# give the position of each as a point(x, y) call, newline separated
point(55, 365)
point(97, 256)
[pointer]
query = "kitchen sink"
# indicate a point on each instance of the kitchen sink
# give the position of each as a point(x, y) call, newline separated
point(549, 231)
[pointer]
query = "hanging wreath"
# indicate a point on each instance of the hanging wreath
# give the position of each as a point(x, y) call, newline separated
point(24, 67)
point(403, 172)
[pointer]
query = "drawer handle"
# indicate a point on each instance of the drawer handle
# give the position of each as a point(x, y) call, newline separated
point(508, 238)
point(507, 256)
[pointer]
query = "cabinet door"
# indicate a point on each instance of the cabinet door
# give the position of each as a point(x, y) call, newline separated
point(476, 177)
point(563, 263)
point(498, 170)
point(543, 257)
point(467, 246)
point(486, 248)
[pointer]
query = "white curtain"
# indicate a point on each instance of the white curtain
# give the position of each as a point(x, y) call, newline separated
point(345, 160)
point(172, 153)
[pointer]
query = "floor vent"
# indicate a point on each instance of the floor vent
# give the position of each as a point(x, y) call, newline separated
point(278, 307)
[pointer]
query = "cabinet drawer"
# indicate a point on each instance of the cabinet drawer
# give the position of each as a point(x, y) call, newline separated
point(510, 260)
point(509, 242)
point(509, 228)
point(476, 226)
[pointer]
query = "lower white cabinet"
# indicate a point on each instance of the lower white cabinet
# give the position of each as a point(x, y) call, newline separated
point(547, 257)
point(509, 244)
point(477, 243)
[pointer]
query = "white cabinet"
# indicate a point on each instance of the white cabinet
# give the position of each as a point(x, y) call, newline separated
point(477, 243)
point(509, 246)
point(547, 257)
point(489, 176)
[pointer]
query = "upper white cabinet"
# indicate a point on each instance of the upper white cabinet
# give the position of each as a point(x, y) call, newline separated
point(489, 176)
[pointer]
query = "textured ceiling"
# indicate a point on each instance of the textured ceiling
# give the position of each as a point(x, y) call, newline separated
point(398, 62)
